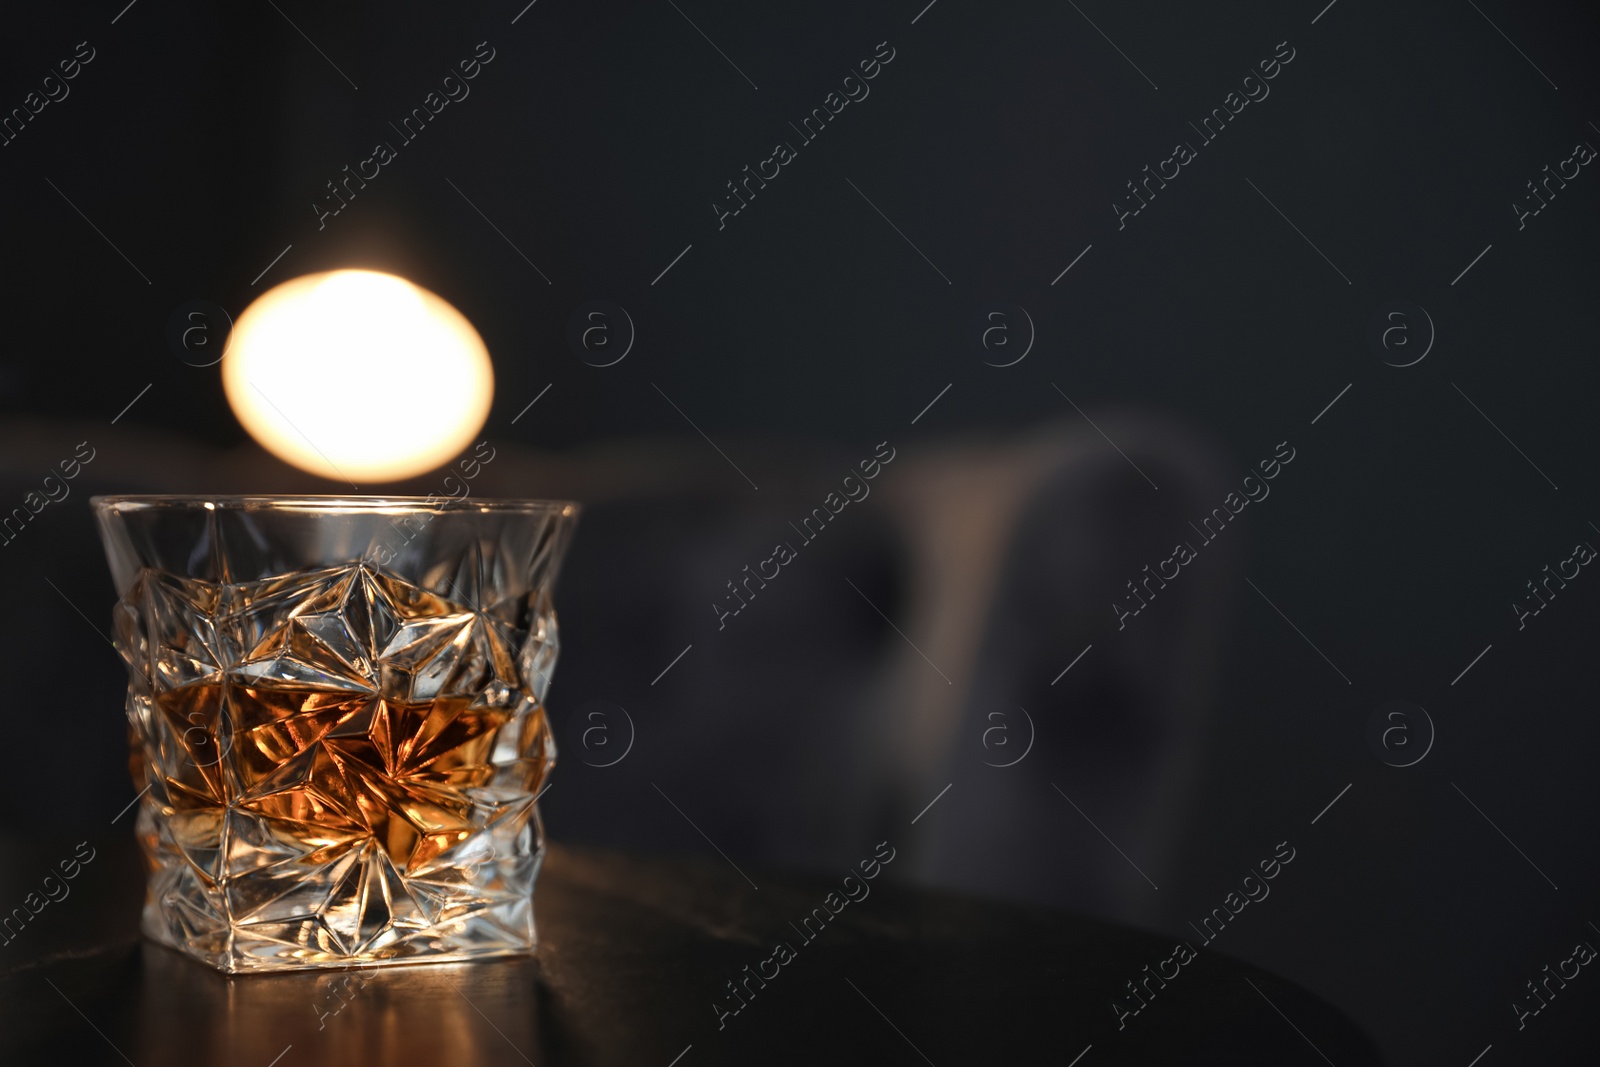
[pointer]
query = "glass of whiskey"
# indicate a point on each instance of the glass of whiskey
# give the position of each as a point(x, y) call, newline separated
point(336, 720)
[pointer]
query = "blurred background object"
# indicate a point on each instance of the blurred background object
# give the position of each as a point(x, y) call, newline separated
point(995, 557)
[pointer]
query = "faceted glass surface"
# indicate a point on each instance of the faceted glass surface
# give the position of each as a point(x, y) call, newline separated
point(336, 718)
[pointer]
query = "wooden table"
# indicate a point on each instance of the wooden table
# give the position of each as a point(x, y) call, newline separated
point(635, 954)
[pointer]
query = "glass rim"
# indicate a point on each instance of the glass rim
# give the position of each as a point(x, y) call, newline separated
point(331, 504)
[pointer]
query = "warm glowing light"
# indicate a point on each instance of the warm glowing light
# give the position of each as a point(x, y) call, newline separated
point(358, 376)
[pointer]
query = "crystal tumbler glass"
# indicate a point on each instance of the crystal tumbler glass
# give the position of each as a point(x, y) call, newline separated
point(336, 712)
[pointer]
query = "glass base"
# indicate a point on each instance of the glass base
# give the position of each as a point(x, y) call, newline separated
point(355, 911)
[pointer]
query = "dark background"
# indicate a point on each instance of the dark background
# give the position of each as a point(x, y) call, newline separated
point(807, 330)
